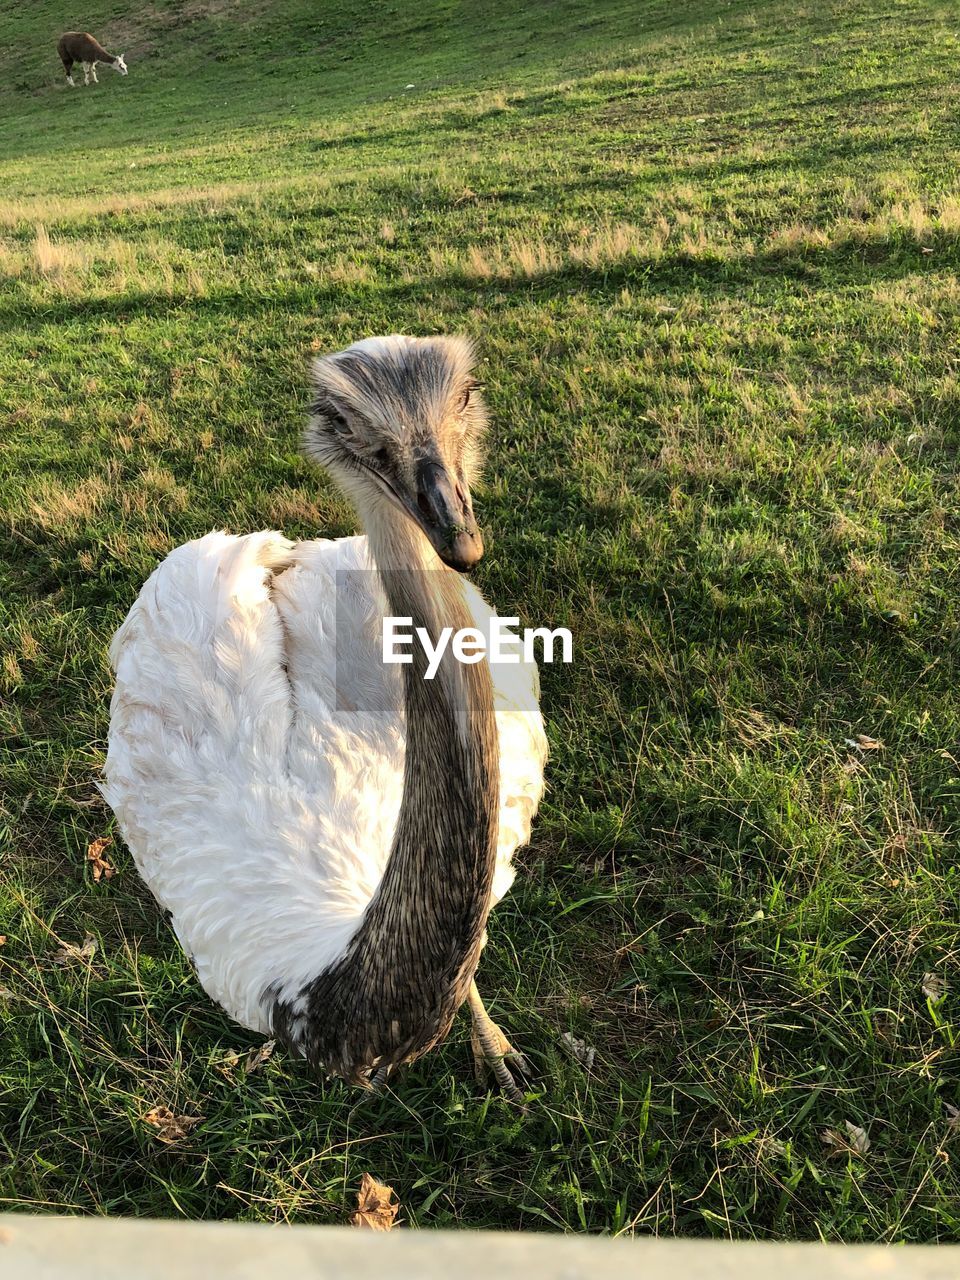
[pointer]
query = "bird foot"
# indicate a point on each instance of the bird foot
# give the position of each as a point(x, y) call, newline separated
point(492, 1051)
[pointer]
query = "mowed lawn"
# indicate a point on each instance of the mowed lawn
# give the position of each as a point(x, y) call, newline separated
point(708, 253)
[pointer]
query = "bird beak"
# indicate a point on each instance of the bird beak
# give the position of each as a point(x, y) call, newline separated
point(445, 514)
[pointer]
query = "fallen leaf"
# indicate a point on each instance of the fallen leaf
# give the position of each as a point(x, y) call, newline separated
point(854, 1142)
point(858, 1138)
point(375, 1210)
point(3, 939)
point(853, 765)
point(953, 1116)
point(933, 986)
point(69, 954)
point(257, 1057)
point(170, 1127)
point(579, 1050)
point(227, 1064)
point(866, 743)
point(101, 867)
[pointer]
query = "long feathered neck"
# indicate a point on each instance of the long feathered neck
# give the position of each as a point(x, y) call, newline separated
point(408, 968)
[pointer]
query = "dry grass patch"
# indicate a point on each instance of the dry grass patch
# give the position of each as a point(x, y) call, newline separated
point(286, 507)
point(530, 257)
point(948, 215)
point(615, 242)
point(58, 257)
point(610, 244)
point(155, 487)
point(100, 267)
point(53, 210)
point(345, 271)
point(56, 506)
point(12, 676)
point(869, 219)
point(798, 237)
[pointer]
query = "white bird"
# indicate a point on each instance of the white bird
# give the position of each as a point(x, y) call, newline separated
point(329, 832)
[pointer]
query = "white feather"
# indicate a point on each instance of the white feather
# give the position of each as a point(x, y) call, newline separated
point(257, 780)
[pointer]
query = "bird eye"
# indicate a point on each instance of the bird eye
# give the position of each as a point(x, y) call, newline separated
point(381, 457)
point(338, 421)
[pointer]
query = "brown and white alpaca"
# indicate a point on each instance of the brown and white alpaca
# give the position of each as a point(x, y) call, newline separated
point(80, 46)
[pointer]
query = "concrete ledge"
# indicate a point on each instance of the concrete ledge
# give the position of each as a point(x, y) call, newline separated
point(50, 1248)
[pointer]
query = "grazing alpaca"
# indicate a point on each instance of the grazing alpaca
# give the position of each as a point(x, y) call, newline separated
point(80, 46)
point(328, 834)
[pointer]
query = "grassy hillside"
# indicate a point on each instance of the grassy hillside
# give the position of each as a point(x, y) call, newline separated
point(709, 253)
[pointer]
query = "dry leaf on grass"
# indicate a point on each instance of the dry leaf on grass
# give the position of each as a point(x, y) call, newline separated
point(858, 1138)
point(579, 1050)
point(863, 742)
point(170, 1127)
point(834, 1140)
point(102, 869)
point(376, 1211)
point(853, 766)
point(953, 1117)
point(69, 954)
point(3, 939)
point(933, 986)
point(854, 1142)
point(227, 1064)
point(257, 1057)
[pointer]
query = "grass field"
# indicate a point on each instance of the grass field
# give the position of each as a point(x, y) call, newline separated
point(709, 253)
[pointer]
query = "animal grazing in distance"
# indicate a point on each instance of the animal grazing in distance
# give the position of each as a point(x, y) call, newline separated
point(329, 832)
point(80, 46)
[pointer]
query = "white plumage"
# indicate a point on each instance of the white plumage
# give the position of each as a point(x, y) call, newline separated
point(256, 769)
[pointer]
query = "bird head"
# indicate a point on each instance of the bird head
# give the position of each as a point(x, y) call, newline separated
point(399, 421)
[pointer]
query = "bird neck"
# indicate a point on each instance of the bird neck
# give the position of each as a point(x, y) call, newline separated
point(431, 909)
point(408, 968)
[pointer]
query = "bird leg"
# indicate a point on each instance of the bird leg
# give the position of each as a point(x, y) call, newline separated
point(377, 1080)
point(492, 1049)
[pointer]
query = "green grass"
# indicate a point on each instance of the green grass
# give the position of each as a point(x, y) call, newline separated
point(709, 253)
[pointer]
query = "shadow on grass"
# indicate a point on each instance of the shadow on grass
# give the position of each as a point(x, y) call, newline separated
point(851, 264)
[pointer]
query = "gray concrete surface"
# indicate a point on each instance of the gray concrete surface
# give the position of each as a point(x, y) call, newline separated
point(51, 1248)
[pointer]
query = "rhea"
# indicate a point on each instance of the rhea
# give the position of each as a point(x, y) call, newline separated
point(80, 46)
point(329, 832)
